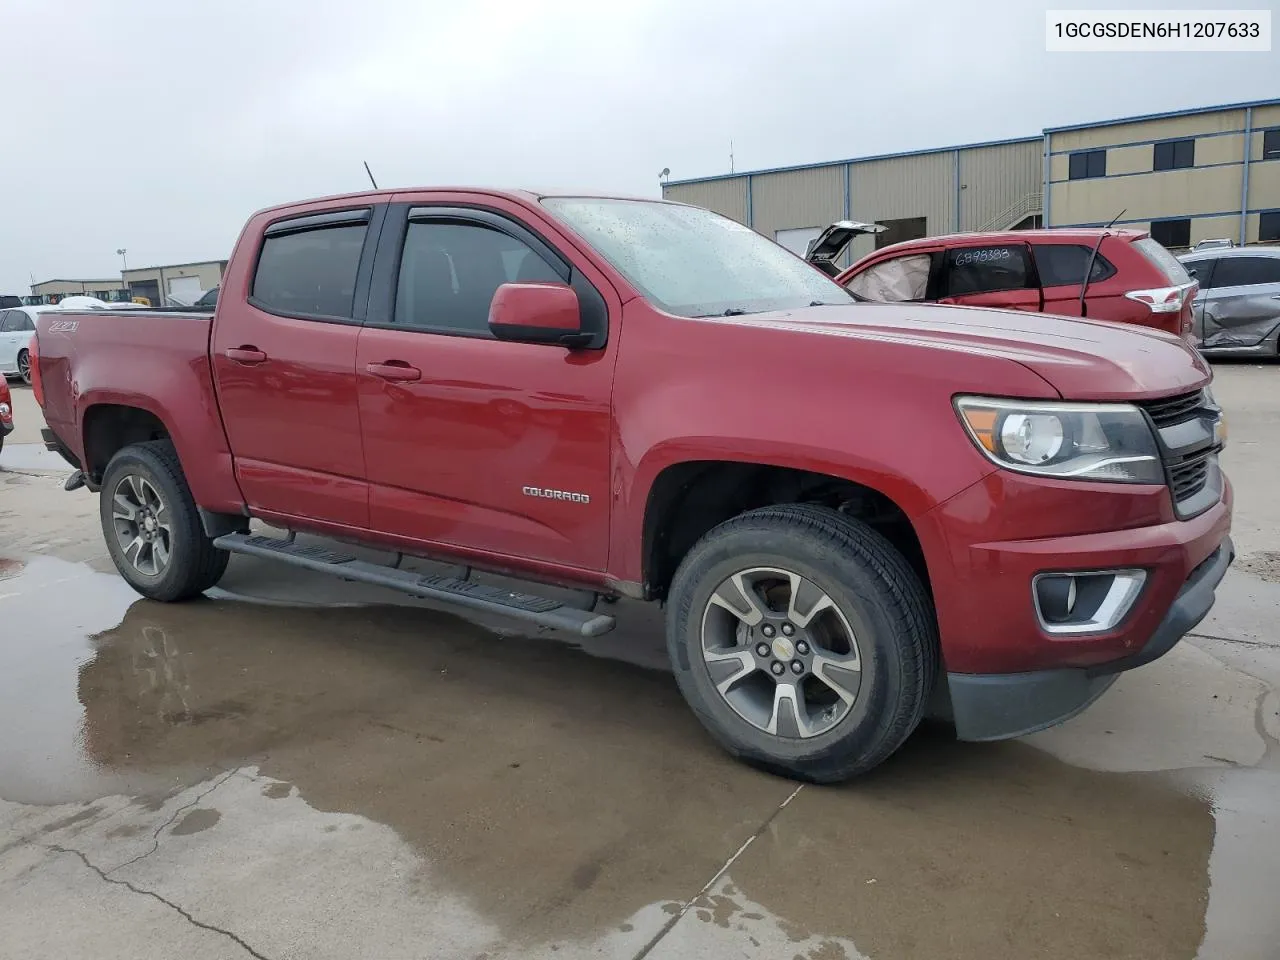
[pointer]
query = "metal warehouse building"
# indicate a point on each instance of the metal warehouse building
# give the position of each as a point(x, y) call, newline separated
point(1187, 176)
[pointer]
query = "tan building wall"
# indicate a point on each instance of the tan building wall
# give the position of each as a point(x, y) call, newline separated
point(727, 197)
point(998, 181)
point(209, 273)
point(812, 197)
point(76, 287)
point(1210, 194)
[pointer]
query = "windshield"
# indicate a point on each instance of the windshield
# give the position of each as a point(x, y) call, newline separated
point(694, 263)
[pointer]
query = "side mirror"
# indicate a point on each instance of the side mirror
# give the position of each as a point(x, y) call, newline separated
point(537, 313)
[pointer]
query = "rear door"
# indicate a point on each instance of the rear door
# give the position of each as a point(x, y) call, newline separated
point(998, 274)
point(1242, 306)
point(1202, 271)
point(284, 353)
point(493, 447)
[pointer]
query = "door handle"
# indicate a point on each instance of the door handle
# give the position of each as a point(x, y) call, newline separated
point(397, 371)
point(248, 355)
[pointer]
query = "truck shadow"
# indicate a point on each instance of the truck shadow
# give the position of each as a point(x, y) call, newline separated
point(560, 793)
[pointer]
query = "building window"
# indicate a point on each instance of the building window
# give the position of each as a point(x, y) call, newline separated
point(1174, 155)
point(1269, 225)
point(1086, 164)
point(1172, 233)
point(1271, 144)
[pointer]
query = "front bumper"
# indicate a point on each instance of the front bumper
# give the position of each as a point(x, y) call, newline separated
point(999, 706)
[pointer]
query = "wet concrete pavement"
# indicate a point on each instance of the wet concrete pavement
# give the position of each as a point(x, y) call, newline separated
point(297, 767)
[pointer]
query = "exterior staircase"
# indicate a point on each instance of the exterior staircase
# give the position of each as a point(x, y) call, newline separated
point(1015, 213)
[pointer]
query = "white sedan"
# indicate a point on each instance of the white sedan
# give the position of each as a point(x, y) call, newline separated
point(17, 327)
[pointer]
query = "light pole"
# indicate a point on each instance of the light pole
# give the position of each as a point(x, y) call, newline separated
point(124, 264)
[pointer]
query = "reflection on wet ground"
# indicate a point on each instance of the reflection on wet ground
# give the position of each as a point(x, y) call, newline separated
point(562, 798)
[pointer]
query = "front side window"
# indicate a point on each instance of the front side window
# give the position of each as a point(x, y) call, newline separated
point(449, 273)
point(8, 321)
point(893, 281)
point(1246, 271)
point(694, 263)
point(310, 273)
point(972, 270)
point(1060, 264)
point(1203, 271)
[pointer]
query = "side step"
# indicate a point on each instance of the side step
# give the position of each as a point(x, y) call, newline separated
point(542, 611)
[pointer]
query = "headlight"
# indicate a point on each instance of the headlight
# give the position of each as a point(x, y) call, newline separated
point(1079, 441)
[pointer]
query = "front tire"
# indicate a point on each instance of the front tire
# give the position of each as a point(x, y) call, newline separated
point(151, 525)
point(24, 367)
point(803, 641)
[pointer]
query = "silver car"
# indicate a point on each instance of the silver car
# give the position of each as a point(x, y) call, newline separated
point(1237, 311)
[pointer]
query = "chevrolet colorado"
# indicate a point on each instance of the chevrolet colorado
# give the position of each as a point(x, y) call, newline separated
point(853, 512)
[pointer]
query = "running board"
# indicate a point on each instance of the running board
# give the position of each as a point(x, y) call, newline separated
point(542, 611)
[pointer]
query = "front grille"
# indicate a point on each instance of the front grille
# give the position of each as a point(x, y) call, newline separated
point(1170, 410)
point(1189, 478)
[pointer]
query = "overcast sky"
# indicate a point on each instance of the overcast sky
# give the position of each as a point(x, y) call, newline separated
point(159, 125)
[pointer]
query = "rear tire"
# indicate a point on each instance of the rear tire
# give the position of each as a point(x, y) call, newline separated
point(837, 669)
point(24, 366)
point(151, 525)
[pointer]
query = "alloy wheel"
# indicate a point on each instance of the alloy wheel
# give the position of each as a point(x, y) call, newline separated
point(142, 525)
point(780, 652)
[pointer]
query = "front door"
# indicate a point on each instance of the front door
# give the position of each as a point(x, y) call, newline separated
point(284, 354)
point(495, 447)
point(1242, 305)
point(991, 275)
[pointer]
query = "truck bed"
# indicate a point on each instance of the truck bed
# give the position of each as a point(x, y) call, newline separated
point(155, 360)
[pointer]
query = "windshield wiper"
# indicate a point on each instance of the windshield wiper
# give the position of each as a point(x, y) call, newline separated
point(733, 312)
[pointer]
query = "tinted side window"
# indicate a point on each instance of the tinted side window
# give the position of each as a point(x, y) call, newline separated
point(986, 269)
point(310, 273)
point(1063, 263)
point(1203, 271)
point(449, 273)
point(1246, 271)
point(24, 321)
point(6, 320)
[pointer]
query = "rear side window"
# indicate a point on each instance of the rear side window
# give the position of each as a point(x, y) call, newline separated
point(1061, 264)
point(1162, 260)
point(7, 321)
point(310, 273)
point(986, 269)
point(1246, 271)
point(450, 271)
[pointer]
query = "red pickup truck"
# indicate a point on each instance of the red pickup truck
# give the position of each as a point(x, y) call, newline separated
point(854, 512)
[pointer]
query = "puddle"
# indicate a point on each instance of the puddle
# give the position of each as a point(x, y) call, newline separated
point(31, 458)
point(553, 798)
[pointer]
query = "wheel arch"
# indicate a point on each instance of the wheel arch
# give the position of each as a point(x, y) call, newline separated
point(688, 498)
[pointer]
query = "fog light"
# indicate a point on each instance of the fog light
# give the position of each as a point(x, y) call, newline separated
point(1092, 602)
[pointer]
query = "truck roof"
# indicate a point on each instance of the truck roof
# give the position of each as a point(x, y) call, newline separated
point(518, 194)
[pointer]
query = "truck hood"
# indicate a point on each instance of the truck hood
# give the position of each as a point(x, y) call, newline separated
point(1081, 359)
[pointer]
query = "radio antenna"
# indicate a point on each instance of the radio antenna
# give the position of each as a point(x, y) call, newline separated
point(370, 173)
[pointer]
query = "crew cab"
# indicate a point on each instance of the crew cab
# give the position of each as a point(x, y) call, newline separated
point(1132, 278)
point(854, 512)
